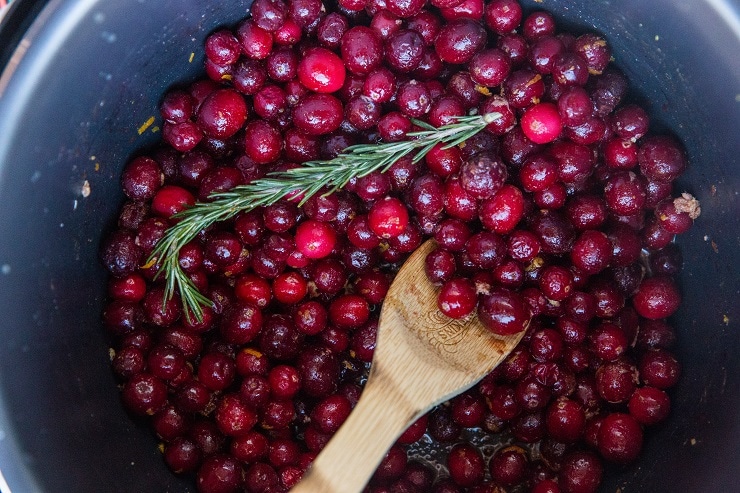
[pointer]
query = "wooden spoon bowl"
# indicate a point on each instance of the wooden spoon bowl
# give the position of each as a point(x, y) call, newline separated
point(422, 358)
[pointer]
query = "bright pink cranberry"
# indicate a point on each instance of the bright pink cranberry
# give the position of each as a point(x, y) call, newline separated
point(541, 123)
point(171, 199)
point(321, 70)
point(388, 217)
point(315, 239)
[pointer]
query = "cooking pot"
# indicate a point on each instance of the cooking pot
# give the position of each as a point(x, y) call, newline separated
point(79, 90)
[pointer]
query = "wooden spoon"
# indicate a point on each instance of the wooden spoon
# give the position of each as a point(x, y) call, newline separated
point(422, 358)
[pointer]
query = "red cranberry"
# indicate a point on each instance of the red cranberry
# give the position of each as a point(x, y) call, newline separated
point(465, 464)
point(581, 472)
point(657, 297)
point(619, 438)
point(320, 70)
point(458, 40)
point(318, 114)
point(457, 298)
point(649, 405)
point(361, 50)
point(144, 394)
point(659, 368)
point(509, 465)
point(219, 474)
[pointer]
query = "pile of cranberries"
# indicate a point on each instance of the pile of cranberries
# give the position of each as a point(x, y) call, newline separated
point(561, 211)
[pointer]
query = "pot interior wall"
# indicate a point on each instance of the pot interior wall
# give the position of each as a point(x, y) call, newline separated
point(74, 105)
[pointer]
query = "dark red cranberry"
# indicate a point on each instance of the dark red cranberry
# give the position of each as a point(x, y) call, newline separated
point(657, 297)
point(619, 438)
point(465, 464)
point(580, 472)
point(144, 394)
point(318, 114)
point(509, 465)
point(459, 40)
point(659, 368)
point(219, 474)
point(616, 381)
point(649, 405)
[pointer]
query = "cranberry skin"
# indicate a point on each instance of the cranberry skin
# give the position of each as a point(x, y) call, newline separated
point(459, 40)
point(503, 312)
point(556, 282)
point(594, 50)
point(362, 50)
point(465, 464)
point(503, 16)
point(537, 25)
point(502, 212)
point(457, 298)
point(141, 178)
point(222, 113)
point(262, 142)
point(315, 239)
point(660, 369)
point(569, 69)
point(580, 472)
point(319, 369)
point(490, 67)
point(591, 252)
point(538, 173)
point(482, 176)
point(671, 219)
point(216, 370)
point(330, 413)
point(388, 218)
point(121, 254)
point(625, 193)
point(509, 465)
point(321, 70)
point(616, 381)
point(318, 114)
point(657, 297)
point(555, 232)
point(404, 50)
point(144, 394)
point(649, 405)
point(219, 474)
point(619, 438)
point(661, 158)
point(349, 311)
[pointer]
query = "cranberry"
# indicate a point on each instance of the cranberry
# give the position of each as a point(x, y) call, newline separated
point(659, 368)
point(619, 438)
point(318, 114)
point(509, 465)
point(219, 474)
point(459, 40)
point(404, 50)
point(649, 405)
point(465, 464)
point(457, 298)
point(580, 472)
point(144, 394)
point(503, 16)
point(320, 70)
point(657, 297)
point(222, 113)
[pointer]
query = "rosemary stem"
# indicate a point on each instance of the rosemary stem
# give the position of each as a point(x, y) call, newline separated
point(312, 177)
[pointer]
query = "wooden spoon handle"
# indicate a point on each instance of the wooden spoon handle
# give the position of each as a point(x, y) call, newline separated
point(350, 458)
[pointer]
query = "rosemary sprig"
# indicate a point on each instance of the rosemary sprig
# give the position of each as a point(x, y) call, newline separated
point(313, 176)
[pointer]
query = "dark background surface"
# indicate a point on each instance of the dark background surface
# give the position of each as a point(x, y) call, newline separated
point(86, 75)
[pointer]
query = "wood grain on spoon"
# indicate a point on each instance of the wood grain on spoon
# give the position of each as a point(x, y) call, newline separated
point(422, 358)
